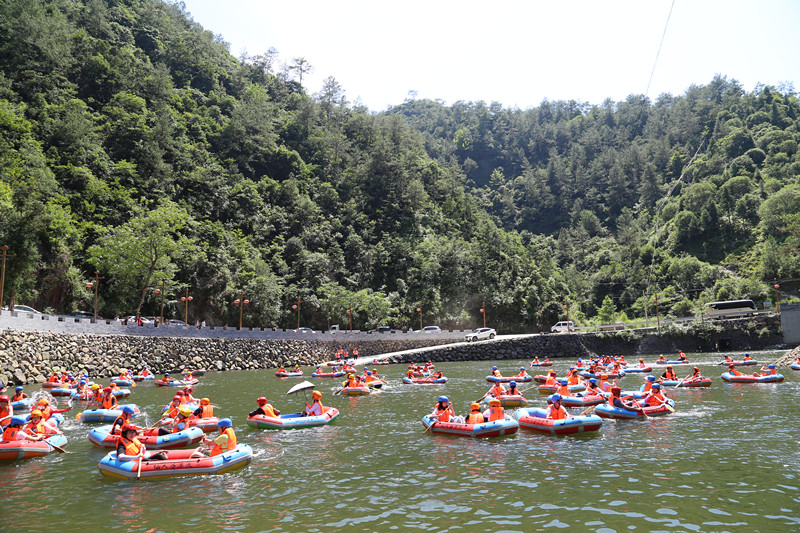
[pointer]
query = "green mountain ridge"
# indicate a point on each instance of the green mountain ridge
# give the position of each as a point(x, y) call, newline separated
point(135, 145)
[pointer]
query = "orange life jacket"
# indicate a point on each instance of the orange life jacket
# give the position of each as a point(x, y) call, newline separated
point(497, 390)
point(475, 417)
point(228, 446)
point(207, 411)
point(18, 396)
point(10, 434)
point(556, 413)
point(443, 414)
point(573, 379)
point(496, 412)
point(658, 396)
point(550, 381)
point(563, 390)
point(5, 411)
point(109, 402)
point(670, 375)
point(132, 447)
point(267, 410)
point(47, 412)
point(497, 374)
point(522, 374)
point(33, 429)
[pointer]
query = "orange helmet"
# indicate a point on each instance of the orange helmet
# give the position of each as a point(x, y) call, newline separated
point(316, 395)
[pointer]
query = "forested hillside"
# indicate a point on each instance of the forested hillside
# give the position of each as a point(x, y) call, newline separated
point(134, 144)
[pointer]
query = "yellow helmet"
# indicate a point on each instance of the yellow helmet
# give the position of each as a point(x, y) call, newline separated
point(95, 386)
point(185, 411)
point(494, 402)
point(36, 412)
point(475, 406)
point(316, 394)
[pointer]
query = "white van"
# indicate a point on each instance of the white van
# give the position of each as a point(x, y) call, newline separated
point(563, 327)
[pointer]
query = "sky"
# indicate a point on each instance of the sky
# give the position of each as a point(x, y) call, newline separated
point(515, 52)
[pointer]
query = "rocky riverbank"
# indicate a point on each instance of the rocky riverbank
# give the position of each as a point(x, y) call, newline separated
point(30, 357)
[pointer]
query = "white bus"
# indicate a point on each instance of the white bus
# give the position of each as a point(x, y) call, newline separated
point(730, 308)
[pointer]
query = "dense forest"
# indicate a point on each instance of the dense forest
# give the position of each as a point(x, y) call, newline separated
point(136, 146)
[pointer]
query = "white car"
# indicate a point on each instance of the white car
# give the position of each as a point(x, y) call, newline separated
point(24, 309)
point(563, 327)
point(431, 329)
point(479, 334)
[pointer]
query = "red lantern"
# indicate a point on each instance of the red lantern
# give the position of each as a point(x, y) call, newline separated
point(246, 302)
point(294, 307)
point(236, 301)
point(89, 285)
point(419, 310)
point(157, 291)
point(482, 311)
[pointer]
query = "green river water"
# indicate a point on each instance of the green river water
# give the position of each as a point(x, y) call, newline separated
point(725, 461)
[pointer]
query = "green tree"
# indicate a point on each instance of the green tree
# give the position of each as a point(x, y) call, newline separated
point(143, 249)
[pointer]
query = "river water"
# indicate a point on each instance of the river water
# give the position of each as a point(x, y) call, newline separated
point(725, 461)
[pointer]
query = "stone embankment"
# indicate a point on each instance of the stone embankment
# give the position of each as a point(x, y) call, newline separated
point(28, 357)
point(31, 356)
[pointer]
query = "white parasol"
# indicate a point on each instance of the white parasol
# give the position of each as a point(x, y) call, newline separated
point(301, 387)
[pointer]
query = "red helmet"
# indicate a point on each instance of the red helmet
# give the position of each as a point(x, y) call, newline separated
point(4, 398)
point(261, 400)
point(127, 427)
point(107, 389)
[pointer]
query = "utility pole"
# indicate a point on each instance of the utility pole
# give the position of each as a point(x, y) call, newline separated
point(4, 248)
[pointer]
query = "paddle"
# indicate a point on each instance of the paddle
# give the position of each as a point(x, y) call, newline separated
point(59, 449)
point(139, 470)
point(587, 411)
point(681, 382)
point(429, 427)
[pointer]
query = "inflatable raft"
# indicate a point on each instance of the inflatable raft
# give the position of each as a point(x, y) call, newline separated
point(327, 374)
point(635, 369)
point(536, 420)
point(775, 378)
point(286, 374)
point(550, 389)
point(611, 375)
point(701, 382)
point(122, 382)
point(751, 362)
point(103, 438)
point(61, 391)
point(793, 366)
point(208, 425)
point(176, 382)
point(580, 401)
point(22, 405)
point(51, 384)
point(538, 378)
point(198, 372)
point(293, 420)
point(512, 400)
point(354, 391)
point(509, 379)
point(497, 428)
point(409, 381)
point(105, 415)
point(609, 411)
point(25, 449)
point(139, 377)
point(542, 363)
point(178, 463)
point(670, 363)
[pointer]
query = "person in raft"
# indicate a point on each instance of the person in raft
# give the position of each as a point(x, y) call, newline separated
point(512, 389)
point(733, 372)
point(661, 359)
point(694, 375)
point(316, 408)
point(656, 397)
point(179, 423)
point(497, 390)
point(443, 410)
point(727, 359)
point(19, 394)
point(475, 416)
point(265, 408)
point(747, 357)
point(6, 410)
point(124, 419)
point(496, 373)
point(615, 401)
point(591, 388)
point(224, 442)
point(682, 356)
point(108, 400)
point(769, 370)
point(206, 410)
point(522, 372)
point(130, 449)
point(495, 411)
point(555, 411)
point(13, 431)
point(37, 427)
point(668, 375)
point(641, 363)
